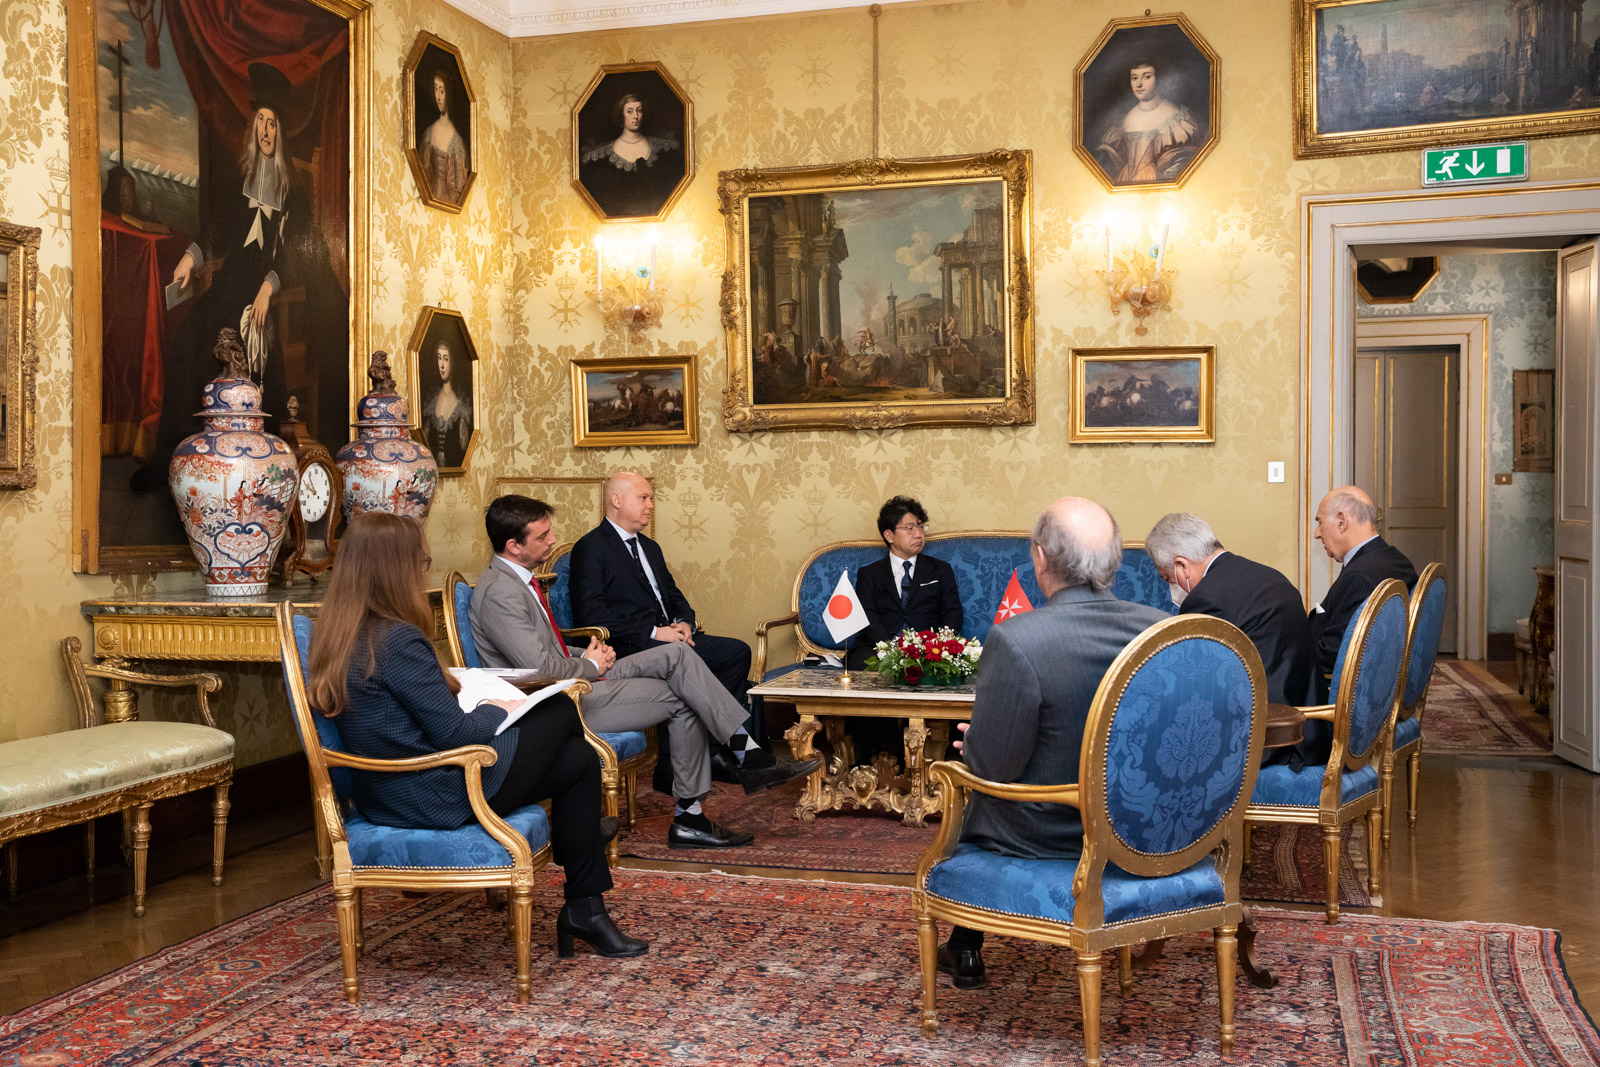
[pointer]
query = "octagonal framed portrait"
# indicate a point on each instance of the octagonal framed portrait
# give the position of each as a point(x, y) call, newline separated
point(439, 120)
point(444, 387)
point(1145, 110)
point(632, 142)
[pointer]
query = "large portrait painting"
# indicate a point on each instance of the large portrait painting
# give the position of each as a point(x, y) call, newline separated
point(1377, 75)
point(632, 142)
point(218, 151)
point(439, 112)
point(646, 401)
point(879, 293)
point(1146, 103)
point(444, 368)
point(1142, 394)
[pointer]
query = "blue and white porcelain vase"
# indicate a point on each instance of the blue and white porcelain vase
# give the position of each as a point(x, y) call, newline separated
point(384, 468)
point(234, 483)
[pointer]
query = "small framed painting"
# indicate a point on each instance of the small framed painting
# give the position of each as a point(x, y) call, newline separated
point(621, 402)
point(1533, 393)
point(439, 104)
point(632, 142)
point(444, 377)
point(1142, 394)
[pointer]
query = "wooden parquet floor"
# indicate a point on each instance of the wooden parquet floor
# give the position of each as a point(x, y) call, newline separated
point(1497, 840)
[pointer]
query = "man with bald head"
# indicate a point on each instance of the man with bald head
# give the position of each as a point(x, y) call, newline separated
point(1036, 682)
point(1347, 526)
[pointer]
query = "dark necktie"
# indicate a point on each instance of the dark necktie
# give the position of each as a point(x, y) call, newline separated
point(633, 550)
point(905, 585)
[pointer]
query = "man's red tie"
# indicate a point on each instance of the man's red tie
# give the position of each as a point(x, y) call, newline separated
point(549, 617)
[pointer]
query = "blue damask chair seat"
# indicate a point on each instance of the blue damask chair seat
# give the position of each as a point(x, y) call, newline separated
point(372, 845)
point(1280, 786)
point(1042, 889)
point(626, 745)
point(1407, 732)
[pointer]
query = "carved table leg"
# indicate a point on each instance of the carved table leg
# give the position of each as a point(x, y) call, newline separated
point(800, 737)
point(918, 802)
point(1259, 976)
point(844, 746)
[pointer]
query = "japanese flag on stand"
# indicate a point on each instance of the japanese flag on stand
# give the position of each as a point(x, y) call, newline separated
point(844, 614)
point(1013, 602)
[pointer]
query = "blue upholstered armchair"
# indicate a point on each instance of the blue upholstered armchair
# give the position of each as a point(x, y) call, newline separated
point(1425, 625)
point(621, 754)
point(1170, 754)
point(1367, 675)
point(493, 853)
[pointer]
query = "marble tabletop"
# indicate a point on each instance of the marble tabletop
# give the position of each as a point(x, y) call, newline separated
point(191, 598)
point(864, 685)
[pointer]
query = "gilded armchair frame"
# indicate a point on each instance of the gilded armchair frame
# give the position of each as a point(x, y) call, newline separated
point(1088, 935)
point(1332, 812)
point(349, 880)
point(1433, 572)
point(616, 776)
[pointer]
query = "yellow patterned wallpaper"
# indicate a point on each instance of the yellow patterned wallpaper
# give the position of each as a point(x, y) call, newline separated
point(738, 513)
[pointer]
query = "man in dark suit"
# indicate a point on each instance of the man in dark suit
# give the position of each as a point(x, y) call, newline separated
point(1036, 681)
point(1206, 579)
point(905, 590)
point(1347, 526)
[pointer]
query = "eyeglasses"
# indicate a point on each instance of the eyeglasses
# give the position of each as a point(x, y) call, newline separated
point(912, 527)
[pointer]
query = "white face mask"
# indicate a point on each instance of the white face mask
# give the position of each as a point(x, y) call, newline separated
point(1178, 593)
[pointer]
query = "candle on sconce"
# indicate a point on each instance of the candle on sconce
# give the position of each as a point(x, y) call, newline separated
point(1161, 250)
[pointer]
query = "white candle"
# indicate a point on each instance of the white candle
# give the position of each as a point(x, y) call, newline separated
point(1161, 252)
point(1108, 247)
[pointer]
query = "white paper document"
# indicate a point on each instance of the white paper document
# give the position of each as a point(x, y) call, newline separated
point(478, 685)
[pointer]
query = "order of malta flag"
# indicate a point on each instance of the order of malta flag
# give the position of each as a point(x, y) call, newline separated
point(844, 614)
point(1013, 602)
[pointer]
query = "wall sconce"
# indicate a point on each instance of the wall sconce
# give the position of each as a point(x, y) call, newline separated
point(626, 288)
point(1138, 280)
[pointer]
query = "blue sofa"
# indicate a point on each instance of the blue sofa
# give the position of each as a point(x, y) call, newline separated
point(983, 563)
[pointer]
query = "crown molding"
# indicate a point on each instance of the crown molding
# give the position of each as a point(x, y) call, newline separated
point(540, 18)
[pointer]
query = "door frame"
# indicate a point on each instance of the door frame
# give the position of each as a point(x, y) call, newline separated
point(1469, 335)
point(1329, 226)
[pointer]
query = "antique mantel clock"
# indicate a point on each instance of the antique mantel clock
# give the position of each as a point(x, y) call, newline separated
point(312, 539)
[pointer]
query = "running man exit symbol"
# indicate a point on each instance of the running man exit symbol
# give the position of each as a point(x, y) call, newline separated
point(1472, 164)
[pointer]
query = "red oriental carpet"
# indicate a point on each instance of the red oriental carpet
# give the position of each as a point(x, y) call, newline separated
point(1471, 712)
point(749, 970)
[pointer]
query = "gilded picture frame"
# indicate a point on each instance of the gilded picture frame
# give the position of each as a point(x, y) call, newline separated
point(444, 387)
point(652, 401)
point(1381, 75)
point(1155, 74)
point(641, 102)
point(19, 355)
point(963, 357)
point(440, 145)
point(329, 105)
point(1143, 395)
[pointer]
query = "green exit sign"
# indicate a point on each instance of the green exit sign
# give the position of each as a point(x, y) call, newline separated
point(1476, 163)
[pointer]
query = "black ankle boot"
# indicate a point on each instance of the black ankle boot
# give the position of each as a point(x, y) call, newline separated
point(585, 918)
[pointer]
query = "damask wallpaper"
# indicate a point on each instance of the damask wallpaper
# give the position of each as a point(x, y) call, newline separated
point(739, 513)
point(1518, 291)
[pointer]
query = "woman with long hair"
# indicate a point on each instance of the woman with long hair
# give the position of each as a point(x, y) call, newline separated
point(444, 153)
point(374, 671)
point(447, 412)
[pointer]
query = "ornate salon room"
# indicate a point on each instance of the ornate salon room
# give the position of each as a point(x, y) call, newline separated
point(993, 532)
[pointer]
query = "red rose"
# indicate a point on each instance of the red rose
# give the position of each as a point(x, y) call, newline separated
point(913, 672)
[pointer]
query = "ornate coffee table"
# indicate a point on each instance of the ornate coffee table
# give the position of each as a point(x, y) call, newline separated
point(824, 700)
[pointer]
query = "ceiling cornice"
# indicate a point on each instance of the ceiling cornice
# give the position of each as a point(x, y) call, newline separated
point(539, 18)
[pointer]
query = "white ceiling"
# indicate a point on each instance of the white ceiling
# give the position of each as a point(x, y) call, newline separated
point(537, 18)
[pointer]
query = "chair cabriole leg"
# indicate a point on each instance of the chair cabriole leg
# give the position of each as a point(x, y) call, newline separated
point(1330, 863)
point(1089, 991)
point(344, 899)
point(928, 956)
point(1227, 957)
point(141, 854)
point(219, 830)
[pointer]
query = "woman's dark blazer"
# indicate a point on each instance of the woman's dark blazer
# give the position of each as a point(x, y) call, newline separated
point(406, 709)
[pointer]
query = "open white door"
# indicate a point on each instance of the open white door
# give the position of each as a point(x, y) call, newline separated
point(1574, 711)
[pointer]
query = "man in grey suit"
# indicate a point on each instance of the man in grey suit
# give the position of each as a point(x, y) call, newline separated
point(512, 627)
point(1036, 680)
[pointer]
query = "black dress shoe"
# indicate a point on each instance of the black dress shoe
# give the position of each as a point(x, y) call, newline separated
point(609, 825)
point(697, 831)
point(724, 765)
point(964, 966)
point(761, 770)
point(585, 918)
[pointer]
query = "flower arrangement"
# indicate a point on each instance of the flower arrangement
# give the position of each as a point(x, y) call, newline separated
point(942, 656)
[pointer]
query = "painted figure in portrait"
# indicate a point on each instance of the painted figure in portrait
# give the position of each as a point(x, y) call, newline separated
point(225, 206)
point(632, 138)
point(442, 113)
point(445, 367)
point(1147, 108)
point(635, 400)
point(1138, 393)
point(899, 295)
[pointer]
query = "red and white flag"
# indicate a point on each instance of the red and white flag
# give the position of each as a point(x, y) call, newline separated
point(844, 614)
point(1013, 602)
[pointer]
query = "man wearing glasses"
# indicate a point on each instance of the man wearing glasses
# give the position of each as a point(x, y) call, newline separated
point(907, 589)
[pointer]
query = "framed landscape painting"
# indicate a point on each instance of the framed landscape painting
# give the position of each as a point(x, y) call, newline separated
point(1142, 394)
point(1377, 75)
point(648, 401)
point(879, 293)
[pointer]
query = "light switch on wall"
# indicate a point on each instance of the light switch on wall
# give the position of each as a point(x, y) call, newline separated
point(1274, 472)
point(1502, 478)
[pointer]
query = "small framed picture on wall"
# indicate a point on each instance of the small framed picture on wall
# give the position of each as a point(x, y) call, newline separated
point(1142, 394)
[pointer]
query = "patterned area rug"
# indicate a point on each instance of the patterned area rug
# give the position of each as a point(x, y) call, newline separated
point(1471, 712)
point(798, 973)
point(1286, 863)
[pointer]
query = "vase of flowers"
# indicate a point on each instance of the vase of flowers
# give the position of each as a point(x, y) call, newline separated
point(931, 657)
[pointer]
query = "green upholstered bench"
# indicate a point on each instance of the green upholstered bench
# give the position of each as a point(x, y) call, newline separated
point(122, 765)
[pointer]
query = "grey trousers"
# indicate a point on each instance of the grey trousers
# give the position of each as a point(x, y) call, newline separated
point(668, 684)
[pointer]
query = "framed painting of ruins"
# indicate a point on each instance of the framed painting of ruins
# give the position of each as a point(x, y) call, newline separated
point(879, 293)
point(219, 180)
point(1377, 75)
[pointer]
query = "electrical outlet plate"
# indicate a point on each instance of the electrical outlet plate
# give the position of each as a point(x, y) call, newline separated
point(1275, 472)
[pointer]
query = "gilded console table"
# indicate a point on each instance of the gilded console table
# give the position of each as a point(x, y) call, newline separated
point(823, 701)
